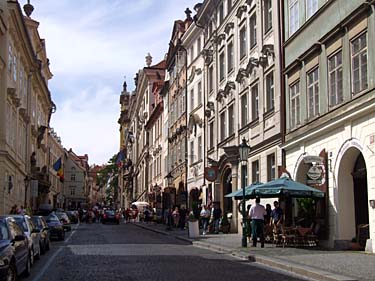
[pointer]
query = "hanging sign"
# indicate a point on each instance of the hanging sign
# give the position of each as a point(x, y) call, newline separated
point(211, 173)
point(314, 175)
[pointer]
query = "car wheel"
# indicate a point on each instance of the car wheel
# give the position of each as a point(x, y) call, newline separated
point(27, 270)
point(37, 256)
point(42, 247)
point(11, 275)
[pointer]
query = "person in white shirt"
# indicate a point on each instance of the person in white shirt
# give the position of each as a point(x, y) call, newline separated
point(257, 213)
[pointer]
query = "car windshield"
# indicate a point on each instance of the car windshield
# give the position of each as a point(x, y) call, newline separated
point(3, 230)
point(21, 223)
point(110, 212)
point(52, 218)
point(61, 215)
point(37, 222)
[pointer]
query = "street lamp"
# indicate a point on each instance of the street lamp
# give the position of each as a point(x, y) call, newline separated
point(244, 151)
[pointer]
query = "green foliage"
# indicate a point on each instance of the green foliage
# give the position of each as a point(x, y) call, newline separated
point(107, 177)
point(306, 210)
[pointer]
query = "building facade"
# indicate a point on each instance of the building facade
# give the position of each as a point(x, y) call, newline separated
point(25, 107)
point(330, 106)
point(76, 180)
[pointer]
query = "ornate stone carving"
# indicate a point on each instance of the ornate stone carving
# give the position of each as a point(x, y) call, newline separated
point(207, 55)
point(228, 27)
point(241, 9)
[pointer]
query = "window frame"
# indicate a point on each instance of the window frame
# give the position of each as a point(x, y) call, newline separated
point(254, 102)
point(296, 96)
point(242, 42)
point(360, 71)
point(253, 30)
point(267, 16)
point(270, 91)
point(255, 171)
point(312, 92)
point(336, 71)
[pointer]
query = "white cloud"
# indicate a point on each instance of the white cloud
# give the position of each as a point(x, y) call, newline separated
point(92, 44)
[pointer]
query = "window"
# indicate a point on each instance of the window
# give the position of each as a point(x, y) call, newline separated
point(230, 56)
point(191, 54)
point(221, 13)
point(244, 176)
point(293, 16)
point(72, 191)
point(211, 134)
point(294, 105)
point(253, 30)
point(311, 7)
point(10, 58)
point(255, 171)
point(222, 66)
point(242, 42)
point(191, 99)
point(244, 110)
point(192, 152)
point(229, 6)
point(231, 120)
point(254, 103)
point(270, 92)
point(267, 15)
point(210, 79)
point(199, 93)
point(359, 63)
point(222, 126)
point(14, 68)
point(313, 93)
point(199, 148)
point(335, 79)
point(271, 167)
point(72, 177)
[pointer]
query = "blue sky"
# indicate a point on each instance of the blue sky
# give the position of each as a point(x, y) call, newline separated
point(92, 45)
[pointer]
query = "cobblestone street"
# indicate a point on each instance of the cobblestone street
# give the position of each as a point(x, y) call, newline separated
point(126, 252)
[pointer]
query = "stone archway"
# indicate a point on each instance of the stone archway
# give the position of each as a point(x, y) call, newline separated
point(352, 201)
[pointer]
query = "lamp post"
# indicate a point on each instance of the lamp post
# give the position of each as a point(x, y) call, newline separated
point(244, 151)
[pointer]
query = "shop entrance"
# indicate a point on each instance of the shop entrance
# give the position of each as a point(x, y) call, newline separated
point(353, 213)
point(227, 188)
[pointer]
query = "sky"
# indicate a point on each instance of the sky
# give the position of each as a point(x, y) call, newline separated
point(92, 46)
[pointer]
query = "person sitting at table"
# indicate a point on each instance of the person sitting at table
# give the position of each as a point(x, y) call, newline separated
point(276, 217)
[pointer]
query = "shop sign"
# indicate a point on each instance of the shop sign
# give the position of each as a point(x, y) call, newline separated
point(211, 173)
point(314, 175)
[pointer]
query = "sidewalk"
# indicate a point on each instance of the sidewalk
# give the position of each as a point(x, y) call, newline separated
point(309, 262)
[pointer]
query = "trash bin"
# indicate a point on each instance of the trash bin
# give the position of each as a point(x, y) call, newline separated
point(193, 227)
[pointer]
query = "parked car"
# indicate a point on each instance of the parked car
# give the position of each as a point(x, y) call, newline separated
point(41, 225)
point(63, 217)
point(33, 235)
point(55, 226)
point(110, 216)
point(15, 256)
point(73, 216)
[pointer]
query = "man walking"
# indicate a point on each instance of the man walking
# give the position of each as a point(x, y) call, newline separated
point(257, 213)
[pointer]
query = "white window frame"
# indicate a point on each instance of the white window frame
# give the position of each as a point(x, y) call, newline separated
point(335, 78)
point(270, 91)
point(254, 102)
point(311, 7)
point(362, 77)
point(313, 93)
point(295, 110)
point(293, 16)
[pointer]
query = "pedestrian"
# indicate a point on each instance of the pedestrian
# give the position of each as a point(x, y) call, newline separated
point(204, 216)
point(176, 217)
point(257, 213)
point(13, 210)
point(267, 217)
point(216, 216)
point(248, 223)
point(276, 217)
point(182, 219)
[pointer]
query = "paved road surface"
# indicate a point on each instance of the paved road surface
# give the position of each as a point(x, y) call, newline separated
point(125, 252)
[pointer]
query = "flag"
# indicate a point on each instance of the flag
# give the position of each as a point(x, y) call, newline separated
point(119, 158)
point(58, 167)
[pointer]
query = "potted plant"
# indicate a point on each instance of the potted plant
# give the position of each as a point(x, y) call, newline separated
point(225, 225)
point(193, 225)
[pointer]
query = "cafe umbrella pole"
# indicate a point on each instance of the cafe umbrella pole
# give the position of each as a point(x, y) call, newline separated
point(244, 151)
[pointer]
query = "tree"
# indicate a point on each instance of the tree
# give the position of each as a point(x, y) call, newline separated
point(108, 178)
